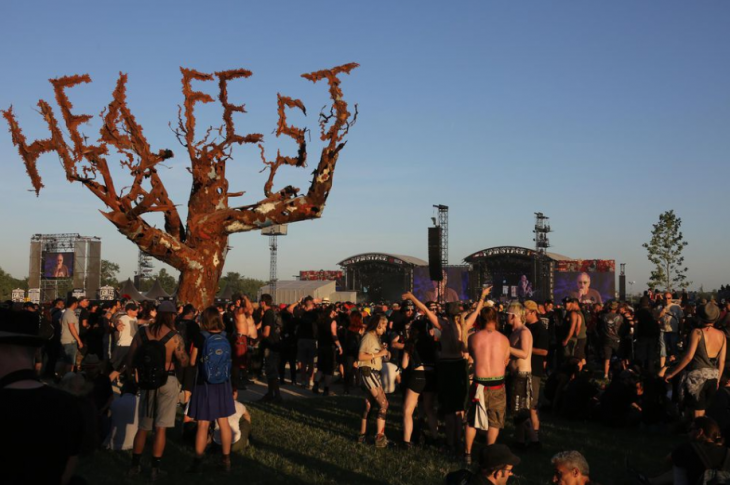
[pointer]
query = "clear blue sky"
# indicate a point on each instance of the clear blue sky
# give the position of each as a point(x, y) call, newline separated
point(602, 115)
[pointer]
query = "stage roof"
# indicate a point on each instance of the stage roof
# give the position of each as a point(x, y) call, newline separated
point(398, 259)
point(512, 250)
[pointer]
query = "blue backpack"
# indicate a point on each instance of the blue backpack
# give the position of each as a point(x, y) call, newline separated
point(216, 359)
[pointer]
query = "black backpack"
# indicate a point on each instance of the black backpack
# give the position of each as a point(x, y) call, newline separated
point(149, 362)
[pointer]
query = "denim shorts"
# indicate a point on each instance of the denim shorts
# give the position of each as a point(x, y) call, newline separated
point(69, 353)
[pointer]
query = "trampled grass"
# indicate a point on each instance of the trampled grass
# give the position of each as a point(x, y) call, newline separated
point(313, 441)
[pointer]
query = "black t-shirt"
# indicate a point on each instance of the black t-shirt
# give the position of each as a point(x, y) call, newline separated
point(610, 328)
point(42, 428)
point(540, 340)
point(307, 328)
point(189, 330)
point(646, 325)
point(270, 320)
point(685, 456)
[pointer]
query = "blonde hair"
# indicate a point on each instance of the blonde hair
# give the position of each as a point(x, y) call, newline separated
point(517, 308)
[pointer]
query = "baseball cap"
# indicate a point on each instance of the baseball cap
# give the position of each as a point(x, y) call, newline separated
point(166, 307)
point(530, 305)
point(495, 456)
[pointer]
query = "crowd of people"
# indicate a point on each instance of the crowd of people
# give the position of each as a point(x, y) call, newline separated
point(458, 369)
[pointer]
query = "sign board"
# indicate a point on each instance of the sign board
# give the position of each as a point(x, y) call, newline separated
point(78, 293)
point(18, 295)
point(106, 293)
point(34, 295)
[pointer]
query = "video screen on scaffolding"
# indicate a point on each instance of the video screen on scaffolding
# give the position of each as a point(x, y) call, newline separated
point(456, 284)
point(58, 265)
point(591, 281)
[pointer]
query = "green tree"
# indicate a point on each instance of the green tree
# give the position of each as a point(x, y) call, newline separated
point(167, 281)
point(665, 252)
point(8, 283)
point(240, 284)
point(109, 273)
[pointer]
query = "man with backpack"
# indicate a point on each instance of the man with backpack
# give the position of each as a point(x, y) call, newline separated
point(153, 355)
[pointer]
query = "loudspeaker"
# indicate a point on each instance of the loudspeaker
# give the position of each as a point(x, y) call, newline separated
point(434, 253)
point(35, 269)
point(93, 270)
point(622, 287)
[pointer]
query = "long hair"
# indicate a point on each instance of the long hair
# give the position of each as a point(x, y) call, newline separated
point(355, 321)
point(375, 321)
point(165, 319)
point(211, 321)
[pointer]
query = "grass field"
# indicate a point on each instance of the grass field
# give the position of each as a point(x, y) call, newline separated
point(313, 441)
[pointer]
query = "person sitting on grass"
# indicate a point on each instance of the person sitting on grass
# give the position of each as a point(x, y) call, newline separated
point(240, 423)
point(704, 451)
point(571, 468)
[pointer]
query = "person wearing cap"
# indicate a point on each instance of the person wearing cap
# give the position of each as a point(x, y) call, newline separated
point(704, 361)
point(127, 328)
point(496, 465)
point(609, 329)
point(157, 407)
point(43, 427)
point(570, 468)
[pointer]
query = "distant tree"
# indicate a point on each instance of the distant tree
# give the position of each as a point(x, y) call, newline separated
point(167, 281)
point(239, 284)
point(665, 252)
point(8, 283)
point(109, 273)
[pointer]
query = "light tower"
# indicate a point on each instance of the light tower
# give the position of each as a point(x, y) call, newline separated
point(542, 242)
point(443, 224)
point(273, 232)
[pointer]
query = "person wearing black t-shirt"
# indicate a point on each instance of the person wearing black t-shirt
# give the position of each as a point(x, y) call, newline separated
point(43, 427)
point(306, 340)
point(270, 340)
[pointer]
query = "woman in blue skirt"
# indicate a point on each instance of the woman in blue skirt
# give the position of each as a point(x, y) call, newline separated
point(212, 401)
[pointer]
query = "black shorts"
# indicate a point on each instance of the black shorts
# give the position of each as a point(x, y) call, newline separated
point(520, 399)
point(610, 348)
point(420, 381)
point(580, 349)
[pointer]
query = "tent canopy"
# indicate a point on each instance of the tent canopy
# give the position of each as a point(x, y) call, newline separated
point(157, 292)
point(128, 288)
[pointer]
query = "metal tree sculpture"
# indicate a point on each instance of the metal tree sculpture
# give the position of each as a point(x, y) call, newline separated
point(198, 248)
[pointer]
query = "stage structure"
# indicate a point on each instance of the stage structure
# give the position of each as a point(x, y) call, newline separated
point(64, 258)
point(511, 271)
point(380, 277)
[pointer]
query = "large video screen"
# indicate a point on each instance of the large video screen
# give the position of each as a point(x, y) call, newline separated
point(591, 281)
point(58, 265)
point(456, 284)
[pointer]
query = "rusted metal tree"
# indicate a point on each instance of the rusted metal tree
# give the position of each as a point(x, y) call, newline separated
point(198, 248)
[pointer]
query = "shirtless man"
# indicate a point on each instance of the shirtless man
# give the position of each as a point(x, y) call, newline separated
point(490, 351)
point(520, 369)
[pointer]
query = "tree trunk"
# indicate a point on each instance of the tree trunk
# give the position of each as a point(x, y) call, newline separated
point(199, 279)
